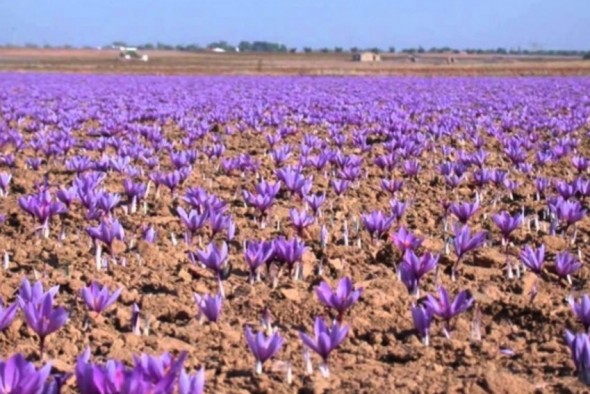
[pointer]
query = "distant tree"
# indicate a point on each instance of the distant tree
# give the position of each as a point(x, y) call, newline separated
point(293, 50)
point(307, 50)
point(501, 51)
point(31, 45)
point(147, 47)
point(265, 46)
point(47, 46)
point(192, 48)
point(325, 50)
point(354, 50)
point(375, 50)
point(338, 49)
point(586, 56)
point(420, 49)
point(245, 46)
point(164, 47)
point(119, 44)
point(391, 49)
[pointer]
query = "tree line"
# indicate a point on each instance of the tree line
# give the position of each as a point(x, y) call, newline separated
point(273, 47)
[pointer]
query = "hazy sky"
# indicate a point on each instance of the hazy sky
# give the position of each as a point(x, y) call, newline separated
point(546, 24)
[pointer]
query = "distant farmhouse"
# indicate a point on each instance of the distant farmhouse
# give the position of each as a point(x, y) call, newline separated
point(366, 57)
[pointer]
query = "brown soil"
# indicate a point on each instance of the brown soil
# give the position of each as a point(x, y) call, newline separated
point(180, 63)
point(382, 352)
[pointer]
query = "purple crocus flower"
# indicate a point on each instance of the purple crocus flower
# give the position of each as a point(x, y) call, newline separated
point(342, 299)
point(411, 168)
point(582, 187)
point(281, 154)
point(290, 252)
point(263, 347)
point(155, 373)
point(481, 177)
point(300, 220)
point(315, 202)
point(377, 224)
point(149, 234)
point(43, 319)
point(191, 384)
point(422, 318)
point(464, 242)
point(106, 232)
point(98, 298)
point(533, 259)
point(17, 376)
point(264, 197)
point(398, 208)
point(292, 178)
point(262, 202)
point(34, 163)
point(209, 306)
point(183, 158)
point(42, 207)
point(541, 184)
point(273, 139)
point(319, 162)
point(446, 309)
point(33, 294)
point(175, 178)
point(67, 196)
point(7, 314)
point(413, 268)
point(340, 186)
point(107, 202)
point(405, 240)
point(386, 163)
point(565, 189)
point(580, 163)
point(566, 264)
point(214, 258)
point(135, 192)
point(149, 375)
point(569, 212)
point(464, 211)
point(392, 186)
point(192, 221)
point(57, 383)
point(507, 223)
point(256, 255)
point(219, 222)
point(5, 178)
point(202, 201)
point(511, 185)
point(579, 345)
point(325, 340)
point(582, 310)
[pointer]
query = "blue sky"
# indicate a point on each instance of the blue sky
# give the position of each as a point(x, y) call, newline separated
point(541, 24)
